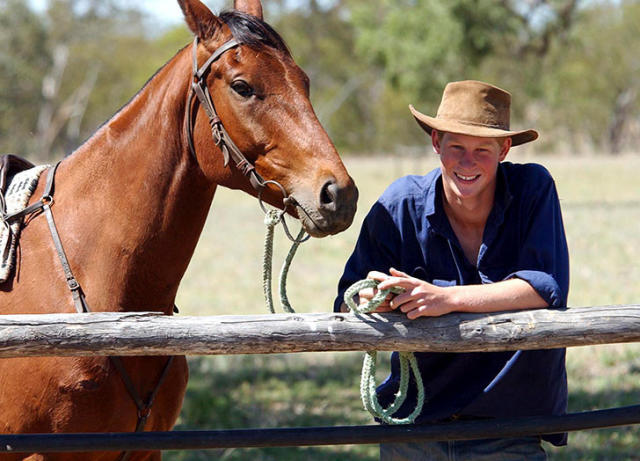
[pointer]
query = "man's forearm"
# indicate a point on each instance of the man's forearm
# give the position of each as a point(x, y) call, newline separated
point(510, 294)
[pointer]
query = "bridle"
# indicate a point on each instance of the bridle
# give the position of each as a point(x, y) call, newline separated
point(218, 132)
point(221, 136)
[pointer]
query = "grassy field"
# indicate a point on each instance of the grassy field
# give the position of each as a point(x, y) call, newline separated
point(600, 199)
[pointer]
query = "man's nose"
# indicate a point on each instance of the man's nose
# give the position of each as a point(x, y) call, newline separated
point(467, 158)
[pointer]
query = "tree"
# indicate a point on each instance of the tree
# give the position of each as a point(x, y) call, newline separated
point(23, 62)
point(593, 83)
point(67, 70)
point(321, 39)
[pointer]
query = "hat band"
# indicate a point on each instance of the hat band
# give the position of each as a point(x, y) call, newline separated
point(466, 122)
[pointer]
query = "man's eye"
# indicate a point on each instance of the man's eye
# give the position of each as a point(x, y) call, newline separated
point(242, 88)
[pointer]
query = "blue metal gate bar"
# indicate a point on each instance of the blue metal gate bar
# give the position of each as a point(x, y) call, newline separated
point(308, 436)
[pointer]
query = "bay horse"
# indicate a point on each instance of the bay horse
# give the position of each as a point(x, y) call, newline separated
point(131, 202)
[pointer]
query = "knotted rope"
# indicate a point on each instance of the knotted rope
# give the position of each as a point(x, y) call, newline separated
point(407, 360)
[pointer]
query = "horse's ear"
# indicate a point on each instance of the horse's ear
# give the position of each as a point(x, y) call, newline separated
point(202, 22)
point(252, 7)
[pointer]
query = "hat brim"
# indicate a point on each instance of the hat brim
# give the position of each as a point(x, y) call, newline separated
point(453, 126)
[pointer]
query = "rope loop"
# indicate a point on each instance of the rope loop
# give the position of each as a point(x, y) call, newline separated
point(374, 302)
point(408, 363)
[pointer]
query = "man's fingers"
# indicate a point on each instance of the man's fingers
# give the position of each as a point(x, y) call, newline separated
point(399, 282)
point(422, 311)
point(410, 305)
point(377, 275)
point(396, 273)
point(366, 293)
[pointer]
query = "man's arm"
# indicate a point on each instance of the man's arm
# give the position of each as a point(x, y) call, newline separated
point(422, 299)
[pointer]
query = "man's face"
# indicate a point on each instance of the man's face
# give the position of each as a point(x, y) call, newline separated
point(469, 164)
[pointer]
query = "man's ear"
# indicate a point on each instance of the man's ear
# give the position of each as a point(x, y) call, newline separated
point(202, 22)
point(435, 141)
point(506, 145)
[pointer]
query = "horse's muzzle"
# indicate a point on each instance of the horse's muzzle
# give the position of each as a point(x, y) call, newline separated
point(332, 211)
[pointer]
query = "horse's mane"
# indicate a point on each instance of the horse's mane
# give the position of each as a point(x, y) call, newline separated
point(251, 31)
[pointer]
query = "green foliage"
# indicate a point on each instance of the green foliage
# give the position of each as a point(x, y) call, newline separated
point(67, 70)
point(416, 44)
point(484, 23)
point(571, 66)
point(23, 61)
point(423, 44)
point(321, 40)
point(587, 77)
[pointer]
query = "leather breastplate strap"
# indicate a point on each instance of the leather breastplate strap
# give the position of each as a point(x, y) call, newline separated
point(144, 407)
point(79, 299)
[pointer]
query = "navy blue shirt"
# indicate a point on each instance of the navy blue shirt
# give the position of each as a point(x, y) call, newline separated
point(407, 228)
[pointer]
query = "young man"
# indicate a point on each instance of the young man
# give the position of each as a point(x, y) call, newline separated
point(475, 235)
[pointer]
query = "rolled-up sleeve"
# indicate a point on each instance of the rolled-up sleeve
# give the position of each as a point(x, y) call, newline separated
point(546, 286)
point(544, 256)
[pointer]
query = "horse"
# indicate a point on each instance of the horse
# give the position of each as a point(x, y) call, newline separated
point(130, 204)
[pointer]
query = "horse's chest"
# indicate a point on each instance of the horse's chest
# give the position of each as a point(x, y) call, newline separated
point(85, 376)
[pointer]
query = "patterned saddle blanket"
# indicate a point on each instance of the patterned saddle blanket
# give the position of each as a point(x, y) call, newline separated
point(18, 180)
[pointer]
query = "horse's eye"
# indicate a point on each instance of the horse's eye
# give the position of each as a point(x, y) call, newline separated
point(242, 88)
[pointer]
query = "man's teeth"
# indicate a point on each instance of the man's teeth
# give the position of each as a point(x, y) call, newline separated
point(467, 178)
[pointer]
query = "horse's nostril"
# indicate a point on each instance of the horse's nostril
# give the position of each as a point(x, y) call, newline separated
point(329, 194)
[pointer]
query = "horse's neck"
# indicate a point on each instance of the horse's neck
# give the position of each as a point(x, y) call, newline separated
point(132, 203)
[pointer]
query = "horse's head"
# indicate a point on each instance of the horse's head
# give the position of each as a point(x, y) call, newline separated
point(262, 98)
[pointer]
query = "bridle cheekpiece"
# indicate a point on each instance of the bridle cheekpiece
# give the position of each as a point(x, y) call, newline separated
point(221, 136)
point(218, 132)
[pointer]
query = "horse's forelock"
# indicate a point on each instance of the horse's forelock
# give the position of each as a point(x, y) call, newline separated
point(252, 31)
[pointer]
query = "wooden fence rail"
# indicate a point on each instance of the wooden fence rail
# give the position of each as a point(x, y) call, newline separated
point(153, 334)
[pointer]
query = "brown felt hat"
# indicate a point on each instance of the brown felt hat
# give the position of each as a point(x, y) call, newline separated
point(475, 109)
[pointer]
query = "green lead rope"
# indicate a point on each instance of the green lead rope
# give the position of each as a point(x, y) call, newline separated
point(368, 383)
point(271, 219)
point(407, 361)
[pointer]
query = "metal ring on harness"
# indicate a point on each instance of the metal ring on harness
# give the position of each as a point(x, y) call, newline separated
point(287, 200)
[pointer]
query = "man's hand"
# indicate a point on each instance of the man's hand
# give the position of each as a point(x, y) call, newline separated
point(420, 298)
point(366, 294)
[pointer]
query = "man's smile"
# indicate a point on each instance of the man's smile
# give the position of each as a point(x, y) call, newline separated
point(466, 178)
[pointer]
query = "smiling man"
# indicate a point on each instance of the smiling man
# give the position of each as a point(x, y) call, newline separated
point(477, 234)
